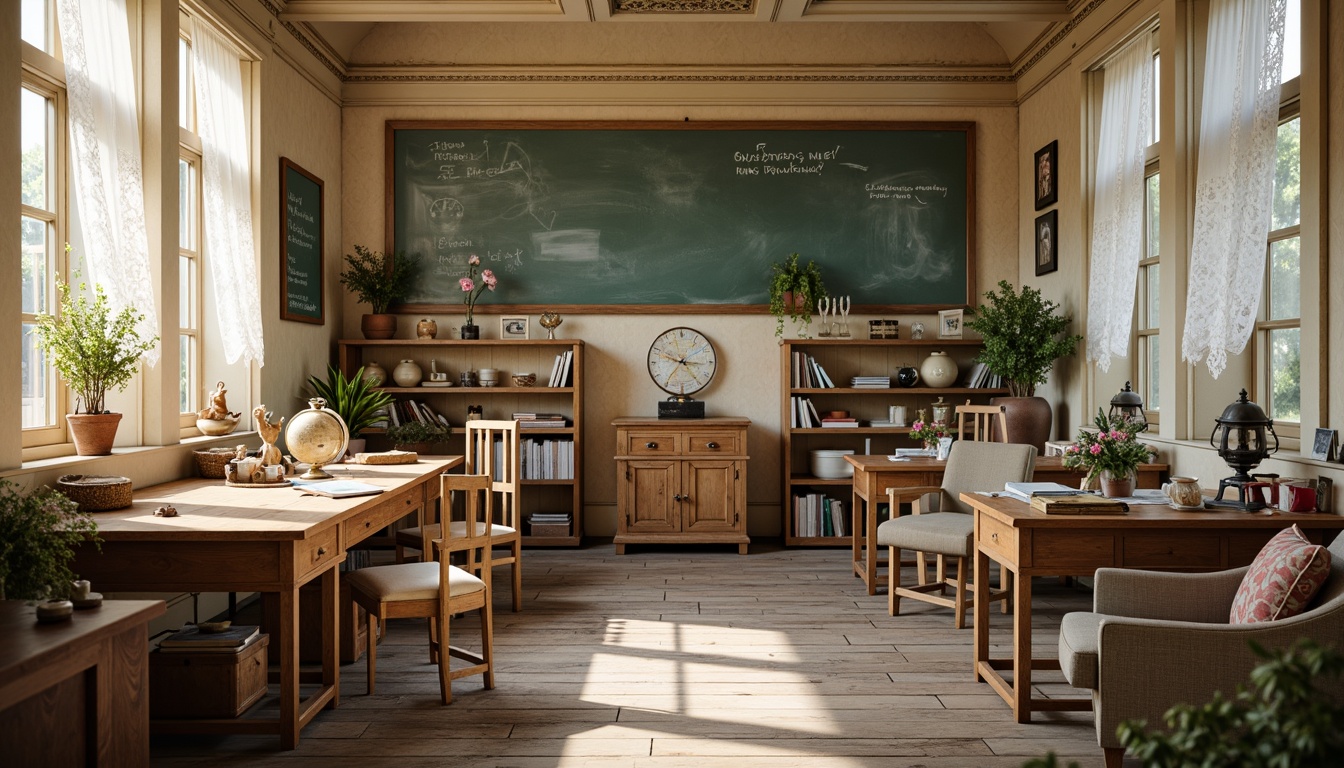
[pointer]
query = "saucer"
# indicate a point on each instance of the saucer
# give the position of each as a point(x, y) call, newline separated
point(94, 600)
point(1185, 508)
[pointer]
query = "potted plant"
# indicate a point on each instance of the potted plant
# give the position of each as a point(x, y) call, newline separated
point(355, 400)
point(471, 290)
point(94, 350)
point(418, 436)
point(929, 432)
point(1111, 454)
point(1022, 337)
point(380, 282)
point(38, 533)
point(794, 290)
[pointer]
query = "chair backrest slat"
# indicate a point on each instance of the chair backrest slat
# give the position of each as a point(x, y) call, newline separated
point(493, 450)
point(983, 422)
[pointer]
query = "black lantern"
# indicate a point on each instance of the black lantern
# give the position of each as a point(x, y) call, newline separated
point(1128, 405)
point(1243, 446)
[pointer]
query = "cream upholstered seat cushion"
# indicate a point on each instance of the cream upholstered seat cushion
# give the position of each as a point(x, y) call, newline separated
point(457, 529)
point(411, 581)
point(1078, 648)
point(947, 533)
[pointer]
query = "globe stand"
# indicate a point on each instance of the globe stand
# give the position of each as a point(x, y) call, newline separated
point(315, 473)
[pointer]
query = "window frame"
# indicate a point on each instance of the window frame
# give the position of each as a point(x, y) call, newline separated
point(190, 150)
point(1142, 334)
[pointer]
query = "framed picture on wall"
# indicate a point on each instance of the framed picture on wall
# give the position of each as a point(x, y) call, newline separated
point(1047, 243)
point(1047, 175)
point(512, 327)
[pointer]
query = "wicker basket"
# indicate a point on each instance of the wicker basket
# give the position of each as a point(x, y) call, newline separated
point(96, 493)
point(210, 462)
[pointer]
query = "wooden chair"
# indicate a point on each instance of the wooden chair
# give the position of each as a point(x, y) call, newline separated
point(436, 590)
point(493, 450)
point(981, 418)
point(949, 532)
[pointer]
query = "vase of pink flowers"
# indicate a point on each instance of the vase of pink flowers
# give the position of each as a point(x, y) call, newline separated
point(1110, 453)
point(929, 432)
point(472, 286)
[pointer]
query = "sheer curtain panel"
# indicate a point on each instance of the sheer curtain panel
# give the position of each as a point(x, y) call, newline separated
point(1235, 188)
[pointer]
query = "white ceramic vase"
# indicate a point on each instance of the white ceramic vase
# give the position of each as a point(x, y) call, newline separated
point(407, 374)
point(938, 370)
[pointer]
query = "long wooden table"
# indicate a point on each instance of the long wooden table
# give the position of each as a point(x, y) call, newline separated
point(873, 475)
point(1151, 536)
point(256, 540)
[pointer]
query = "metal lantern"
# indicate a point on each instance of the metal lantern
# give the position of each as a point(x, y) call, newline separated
point(1128, 405)
point(1240, 437)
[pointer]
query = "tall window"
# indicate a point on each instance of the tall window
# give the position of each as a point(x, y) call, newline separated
point(1279, 330)
point(189, 243)
point(1147, 327)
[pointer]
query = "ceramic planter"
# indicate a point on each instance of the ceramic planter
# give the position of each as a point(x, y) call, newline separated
point(378, 326)
point(93, 433)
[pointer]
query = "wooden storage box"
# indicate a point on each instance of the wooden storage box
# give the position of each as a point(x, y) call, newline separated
point(204, 684)
point(549, 529)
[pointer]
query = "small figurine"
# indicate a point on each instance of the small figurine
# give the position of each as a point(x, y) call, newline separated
point(167, 510)
point(270, 455)
point(216, 419)
point(550, 321)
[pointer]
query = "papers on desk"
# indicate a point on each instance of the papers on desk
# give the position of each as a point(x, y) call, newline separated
point(906, 453)
point(338, 489)
point(1024, 491)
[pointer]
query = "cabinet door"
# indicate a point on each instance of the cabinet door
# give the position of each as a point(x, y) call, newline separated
point(712, 490)
point(647, 502)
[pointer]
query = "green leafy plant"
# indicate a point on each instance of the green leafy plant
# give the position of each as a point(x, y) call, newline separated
point(1113, 448)
point(417, 432)
point(1022, 336)
point(93, 349)
point(358, 403)
point(378, 280)
point(1287, 718)
point(38, 534)
point(799, 281)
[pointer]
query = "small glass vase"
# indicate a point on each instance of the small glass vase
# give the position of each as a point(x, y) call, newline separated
point(471, 331)
point(1117, 486)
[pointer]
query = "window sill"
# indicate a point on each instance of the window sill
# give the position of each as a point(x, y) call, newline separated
point(60, 459)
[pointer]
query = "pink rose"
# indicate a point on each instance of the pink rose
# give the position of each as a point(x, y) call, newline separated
point(1096, 450)
point(466, 283)
point(1073, 449)
point(489, 278)
point(473, 260)
point(918, 425)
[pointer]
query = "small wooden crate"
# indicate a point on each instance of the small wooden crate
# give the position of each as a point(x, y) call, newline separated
point(203, 684)
point(550, 529)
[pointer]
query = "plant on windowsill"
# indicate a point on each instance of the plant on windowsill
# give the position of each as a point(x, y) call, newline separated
point(379, 281)
point(94, 350)
point(417, 436)
point(794, 290)
point(38, 534)
point(355, 400)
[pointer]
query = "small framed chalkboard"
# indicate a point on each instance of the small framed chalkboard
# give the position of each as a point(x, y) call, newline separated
point(301, 245)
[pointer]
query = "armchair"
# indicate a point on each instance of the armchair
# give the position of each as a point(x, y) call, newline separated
point(1156, 639)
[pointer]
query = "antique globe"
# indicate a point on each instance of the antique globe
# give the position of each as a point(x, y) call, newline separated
point(317, 436)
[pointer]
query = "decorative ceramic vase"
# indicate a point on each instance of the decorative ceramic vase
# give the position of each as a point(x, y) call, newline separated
point(1028, 419)
point(317, 436)
point(907, 376)
point(378, 326)
point(467, 378)
point(407, 374)
point(471, 331)
point(938, 370)
point(1184, 492)
point(942, 412)
point(426, 329)
point(1117, 486)
point(374, 374)
point(93, 433)
point(550, 321)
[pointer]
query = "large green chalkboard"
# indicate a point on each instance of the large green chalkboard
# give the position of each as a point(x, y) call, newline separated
point(301, 244)
point(639, 216)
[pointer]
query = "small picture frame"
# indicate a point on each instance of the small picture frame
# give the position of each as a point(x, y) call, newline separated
point(1325, 490)
point(1323, 446)
point(949, 323)
point(1046, 174)
point(511, 327)
point(1047, 243)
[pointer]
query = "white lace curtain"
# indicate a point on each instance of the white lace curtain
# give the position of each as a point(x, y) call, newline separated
point(1235, 186)
point(1117, 217)
point(227, 195)
point(105, 155)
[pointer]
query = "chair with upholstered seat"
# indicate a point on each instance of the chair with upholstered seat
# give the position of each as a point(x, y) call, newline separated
point(492, 449)
point(948, 532)
point(436, 590)
point(981, 420)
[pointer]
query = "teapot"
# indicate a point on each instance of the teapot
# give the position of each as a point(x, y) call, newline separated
point(1184, 492)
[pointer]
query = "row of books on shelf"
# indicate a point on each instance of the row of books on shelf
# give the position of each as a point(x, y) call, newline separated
point(803, 414)
point(531, 420)
point(808, 373)
point(408, 412)
point(816, 514)
point(546, 459)
point(978, 376)
point(562, 370)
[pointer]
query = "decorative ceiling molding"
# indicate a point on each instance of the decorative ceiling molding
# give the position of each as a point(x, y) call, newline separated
point(1062, 32)
point(684, 6)
point(936, 10)
point(967, 75)
point(301, 36)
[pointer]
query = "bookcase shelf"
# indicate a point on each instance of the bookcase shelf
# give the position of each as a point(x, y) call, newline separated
point(500, 402)
point(843, 359)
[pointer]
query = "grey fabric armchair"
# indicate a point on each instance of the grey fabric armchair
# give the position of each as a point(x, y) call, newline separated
point(1155, 639)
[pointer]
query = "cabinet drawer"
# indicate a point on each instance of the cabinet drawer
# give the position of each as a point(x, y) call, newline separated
point(712, 443)
point(316, 553)
point(362, 525)
point(647, 443)
point(998, 538)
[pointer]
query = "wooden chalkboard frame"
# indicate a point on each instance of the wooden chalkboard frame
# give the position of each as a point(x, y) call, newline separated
point(392, 126)
point(286, 166)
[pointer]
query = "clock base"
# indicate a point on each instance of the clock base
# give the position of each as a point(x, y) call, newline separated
point(673, 408)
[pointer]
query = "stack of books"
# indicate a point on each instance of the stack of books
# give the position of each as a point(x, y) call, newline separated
point(870, 382)
point(1079, 504)
point(190, 639)
point(529, 420)
point(841, 423)
point(1025, 491)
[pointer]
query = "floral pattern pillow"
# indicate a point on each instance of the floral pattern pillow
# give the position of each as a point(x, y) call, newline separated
point(1282, 579)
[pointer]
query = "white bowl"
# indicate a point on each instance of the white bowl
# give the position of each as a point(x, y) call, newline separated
point(831, 465)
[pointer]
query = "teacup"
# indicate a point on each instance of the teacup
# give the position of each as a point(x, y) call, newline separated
point(1184, 492)
point(274, 473)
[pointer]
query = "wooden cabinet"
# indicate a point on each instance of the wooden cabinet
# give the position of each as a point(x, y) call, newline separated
point(843, 359)
point(553, 490)
point(681, 482)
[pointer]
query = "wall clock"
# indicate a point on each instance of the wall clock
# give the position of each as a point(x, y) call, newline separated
point(682, 362)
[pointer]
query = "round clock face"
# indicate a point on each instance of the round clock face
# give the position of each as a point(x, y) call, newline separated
point(682, 361)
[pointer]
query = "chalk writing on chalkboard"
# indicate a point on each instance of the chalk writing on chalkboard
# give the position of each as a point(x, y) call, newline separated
point(649, 215)
point(301, 244)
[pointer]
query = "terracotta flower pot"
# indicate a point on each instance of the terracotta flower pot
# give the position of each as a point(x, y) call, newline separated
point(1028, 418)
point(378, 326)
point(1117, 486)
point(93, 433)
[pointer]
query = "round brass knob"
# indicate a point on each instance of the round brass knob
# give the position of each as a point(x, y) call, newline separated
point(650, 445)
point(712, 446)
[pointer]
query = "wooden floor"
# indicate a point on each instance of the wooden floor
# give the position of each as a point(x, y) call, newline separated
point(683, 658)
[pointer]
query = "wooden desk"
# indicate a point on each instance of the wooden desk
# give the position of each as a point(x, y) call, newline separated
point(873, 475)
point(256, 540)
point(1151, 536)
point(76, 692)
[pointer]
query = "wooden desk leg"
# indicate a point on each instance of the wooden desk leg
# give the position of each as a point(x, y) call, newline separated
point(331, 634)
point(1021, 648)
point(981, 617)
point(289, 667)
point(856, 513)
